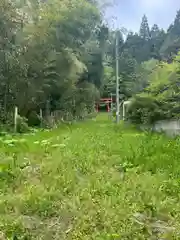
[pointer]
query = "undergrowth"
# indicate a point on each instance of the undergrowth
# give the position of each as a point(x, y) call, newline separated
point(90, 180)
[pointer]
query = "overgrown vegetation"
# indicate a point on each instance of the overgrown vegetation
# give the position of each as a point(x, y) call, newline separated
point(149, 65)
point(89, 181)
point(59, 57)
point(47, 52)
point(85, 180)
point(160, 100)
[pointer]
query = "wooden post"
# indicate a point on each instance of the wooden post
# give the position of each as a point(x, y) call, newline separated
point(123, 111)
point(125, 103)
point(15, 119)
point(112, 106)
point(40, 113)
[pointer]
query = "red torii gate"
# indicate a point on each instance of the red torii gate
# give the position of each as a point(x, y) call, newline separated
point(107, 101)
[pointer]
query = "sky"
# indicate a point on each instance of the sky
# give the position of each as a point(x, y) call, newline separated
point(128, 13)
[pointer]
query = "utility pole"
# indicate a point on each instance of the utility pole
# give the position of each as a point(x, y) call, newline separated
point(117, 78)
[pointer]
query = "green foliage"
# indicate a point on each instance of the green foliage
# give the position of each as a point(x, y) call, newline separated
point(22, 125)
point(144, 110)
point(144, 29)
point(139, 54)
point(160, 100)
point(48, 48)
point(34, 119)
point(52, 189)
point(155, 42)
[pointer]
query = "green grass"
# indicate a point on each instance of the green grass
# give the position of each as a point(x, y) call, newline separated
point(90, 181)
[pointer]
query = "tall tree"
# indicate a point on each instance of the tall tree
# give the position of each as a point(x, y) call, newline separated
point(44, 55)
point(157, 38)
point(175, 27)
point(155, 31)
point(171, 45)
point(144, 29)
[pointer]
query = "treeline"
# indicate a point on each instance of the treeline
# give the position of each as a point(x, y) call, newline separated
point(59, 57)
point(51, 56)
point(149, 68)
point(139, 53)
point(154, 42)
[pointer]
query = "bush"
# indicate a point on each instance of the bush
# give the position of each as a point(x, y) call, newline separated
point(22, 126)
point(144, 110)
point(34, 119)
point(160, 100)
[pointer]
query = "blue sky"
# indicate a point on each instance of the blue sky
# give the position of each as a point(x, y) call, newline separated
point(128, 13)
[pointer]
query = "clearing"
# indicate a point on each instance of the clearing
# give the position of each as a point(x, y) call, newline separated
point(91, 180)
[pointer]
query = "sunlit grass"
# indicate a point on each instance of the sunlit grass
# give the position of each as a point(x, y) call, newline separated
point(91, 180)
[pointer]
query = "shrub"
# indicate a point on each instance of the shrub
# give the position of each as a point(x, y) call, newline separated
point(34, 119)
point(22, 126)
point(160, 100)
point(144, 110)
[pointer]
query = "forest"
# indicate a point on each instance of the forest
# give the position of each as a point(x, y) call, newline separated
point(58, 57)
point(74, 174)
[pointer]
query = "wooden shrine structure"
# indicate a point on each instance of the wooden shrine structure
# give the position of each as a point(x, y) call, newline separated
point(104, 101)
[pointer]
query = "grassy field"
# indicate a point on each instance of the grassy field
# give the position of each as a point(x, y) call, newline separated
point(90, 181)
